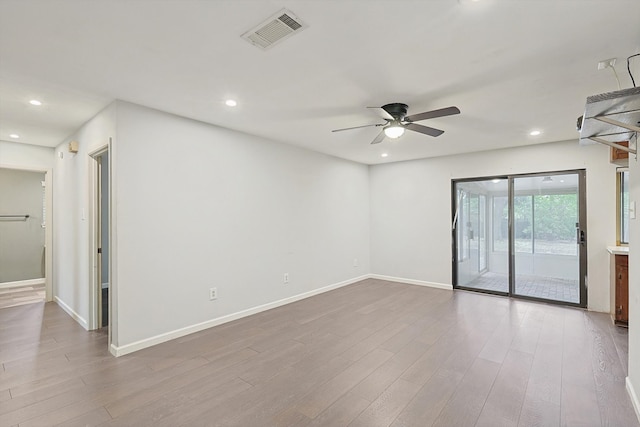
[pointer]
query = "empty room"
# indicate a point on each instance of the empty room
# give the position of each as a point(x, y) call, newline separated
point(319, 213)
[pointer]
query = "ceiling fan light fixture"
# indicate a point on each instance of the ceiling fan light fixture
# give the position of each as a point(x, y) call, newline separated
point(394, 130)
point(395, 115)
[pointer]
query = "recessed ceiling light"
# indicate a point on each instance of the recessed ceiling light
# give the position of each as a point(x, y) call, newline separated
point(535, 133)
point(384, 155)
point(14, 136)
point(230, 103)
point(35, 102)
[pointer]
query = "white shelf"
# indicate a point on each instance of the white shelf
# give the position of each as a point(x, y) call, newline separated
point(618, 250)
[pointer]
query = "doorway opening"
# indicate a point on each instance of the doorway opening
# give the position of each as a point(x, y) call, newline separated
point(522, 235)
point(25, 236)
point(101, 285)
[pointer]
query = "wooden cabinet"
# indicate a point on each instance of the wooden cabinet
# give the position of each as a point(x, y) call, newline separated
point(620, 291)
point(620, 157)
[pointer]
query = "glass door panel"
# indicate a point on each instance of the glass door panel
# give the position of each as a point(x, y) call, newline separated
point(482, 228)
point(546, 237)
point(482, 256)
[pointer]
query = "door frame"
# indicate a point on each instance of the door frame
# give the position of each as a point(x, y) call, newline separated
point(95, 233)
point(582, 219)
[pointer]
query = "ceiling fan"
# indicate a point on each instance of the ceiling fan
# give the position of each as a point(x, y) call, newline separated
point(397, 121)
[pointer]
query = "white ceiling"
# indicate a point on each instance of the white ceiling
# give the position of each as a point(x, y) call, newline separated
point(509, 65)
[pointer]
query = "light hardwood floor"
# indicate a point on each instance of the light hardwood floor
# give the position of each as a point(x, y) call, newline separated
point(11, 297)
point(371, 354)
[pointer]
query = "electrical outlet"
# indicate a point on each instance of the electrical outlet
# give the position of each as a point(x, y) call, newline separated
point(285, 280)
point(213, 294)
point(355, 262)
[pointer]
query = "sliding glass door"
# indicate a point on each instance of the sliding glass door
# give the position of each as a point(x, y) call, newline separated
point(548, 237)
point(482, 261)
point(521, 235)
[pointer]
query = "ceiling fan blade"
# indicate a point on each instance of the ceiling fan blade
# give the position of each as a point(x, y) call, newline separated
point(382, 113)
point(449, 111)
point(358, 127)
point(424, 129)
point(378, 138)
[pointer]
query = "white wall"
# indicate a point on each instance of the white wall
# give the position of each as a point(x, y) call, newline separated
point(200, 206)
point(411, 208)
point(24, 156)
point(633, 381)
point(72, 272)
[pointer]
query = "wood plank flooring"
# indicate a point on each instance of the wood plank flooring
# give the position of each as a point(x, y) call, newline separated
point(370, 354)
point(11, 297)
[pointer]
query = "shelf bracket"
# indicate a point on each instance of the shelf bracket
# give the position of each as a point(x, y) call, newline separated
point(613, 144)
point(617, 123)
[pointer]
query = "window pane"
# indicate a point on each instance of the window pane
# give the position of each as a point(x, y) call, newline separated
point(466, 203)
point(472, 224)
point(547, 213)
point(500, 217)
point(555, 230)
point(475, 267)
point(522, 214)
point(482, 241)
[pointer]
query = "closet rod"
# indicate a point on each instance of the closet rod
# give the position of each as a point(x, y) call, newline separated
point(14, 217)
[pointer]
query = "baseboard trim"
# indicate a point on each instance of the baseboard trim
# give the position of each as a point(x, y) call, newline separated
point(634, 397)
point(19, 283)
point(75, 316)
point(412, 281)
point(177, 333)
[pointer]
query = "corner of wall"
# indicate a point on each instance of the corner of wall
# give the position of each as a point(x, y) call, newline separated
point(72, 254)
point(71, 312)
point(633, 396)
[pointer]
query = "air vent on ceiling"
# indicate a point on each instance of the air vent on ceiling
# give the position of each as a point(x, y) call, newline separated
point(275, 29)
